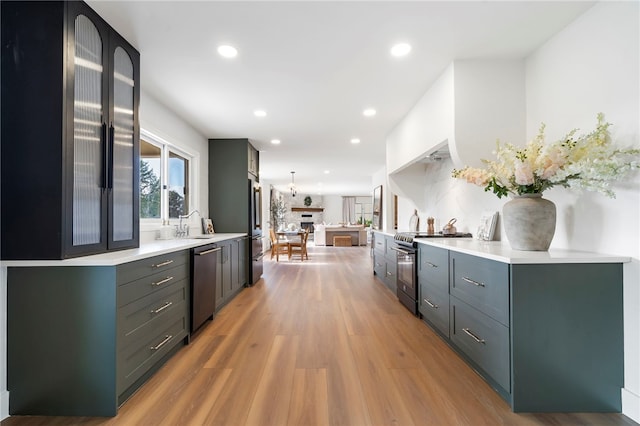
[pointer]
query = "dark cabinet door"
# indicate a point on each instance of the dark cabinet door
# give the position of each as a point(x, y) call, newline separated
point(70, 151)
point(123, 150)
point(105, 135)
point(87, 133)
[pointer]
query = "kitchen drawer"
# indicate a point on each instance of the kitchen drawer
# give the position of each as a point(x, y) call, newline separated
point(137, 359)
point(389, 252)
point(136, 317)
point(380, 244)
point(433, 266)
point(434, 307)
point(390, 274)
point(379, 265)
point(482, 283)
point(483, 339)
point(141, 268)
point(142, 287)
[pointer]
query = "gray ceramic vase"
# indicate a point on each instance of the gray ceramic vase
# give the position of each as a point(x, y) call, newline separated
point(529, 222)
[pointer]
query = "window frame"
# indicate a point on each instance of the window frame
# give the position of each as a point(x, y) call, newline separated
point(192, 184)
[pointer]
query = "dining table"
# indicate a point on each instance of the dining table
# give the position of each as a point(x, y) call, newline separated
point(288, 233)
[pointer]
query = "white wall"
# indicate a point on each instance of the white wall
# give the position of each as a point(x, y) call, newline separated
point(332, 209)
point(381, 178)
point(427, 125)
point(163, 123)
point(591, 66)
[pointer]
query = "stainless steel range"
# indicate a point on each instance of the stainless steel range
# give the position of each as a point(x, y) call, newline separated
point(407, 265)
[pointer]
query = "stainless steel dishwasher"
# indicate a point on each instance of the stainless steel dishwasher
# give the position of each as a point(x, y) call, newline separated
point(203, 284)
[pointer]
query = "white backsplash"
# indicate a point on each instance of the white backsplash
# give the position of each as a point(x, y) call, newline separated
point(446, 198)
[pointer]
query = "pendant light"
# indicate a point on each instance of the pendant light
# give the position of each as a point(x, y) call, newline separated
point(293, 185)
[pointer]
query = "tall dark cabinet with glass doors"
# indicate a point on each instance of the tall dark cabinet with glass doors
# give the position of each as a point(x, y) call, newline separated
point(70, 133)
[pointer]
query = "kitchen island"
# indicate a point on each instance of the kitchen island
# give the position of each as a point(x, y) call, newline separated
point(544, 329)
point(83, 334)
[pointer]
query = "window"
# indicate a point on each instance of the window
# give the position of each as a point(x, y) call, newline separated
point(164, 179)
point(150, 178)
point(178, 185)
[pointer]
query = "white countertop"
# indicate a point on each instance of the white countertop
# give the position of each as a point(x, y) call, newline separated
point(502, 252)
point(114, 258)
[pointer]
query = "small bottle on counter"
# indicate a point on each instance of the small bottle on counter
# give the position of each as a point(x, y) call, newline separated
point(414, 222)
point(430, 228)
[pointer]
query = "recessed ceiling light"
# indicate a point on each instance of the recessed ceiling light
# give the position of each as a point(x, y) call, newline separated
point(260, 113)
point(227, 51)
point(355, 140)
point(326, 172)
point(275, 141)
point(400, 49)
point(369, 112)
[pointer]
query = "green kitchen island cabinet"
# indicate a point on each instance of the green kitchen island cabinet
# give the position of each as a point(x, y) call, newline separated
point(544, 329)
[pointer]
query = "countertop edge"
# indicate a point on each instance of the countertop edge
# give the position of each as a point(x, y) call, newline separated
point(114, 258)
point(501, 252)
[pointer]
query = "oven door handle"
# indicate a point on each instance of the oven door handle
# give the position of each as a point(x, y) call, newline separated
point(401, 251)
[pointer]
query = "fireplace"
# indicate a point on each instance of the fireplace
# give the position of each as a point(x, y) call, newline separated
point(307, 225)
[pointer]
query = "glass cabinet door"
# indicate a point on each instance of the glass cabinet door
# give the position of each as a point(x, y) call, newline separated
point(88, 134)
point(122, 147)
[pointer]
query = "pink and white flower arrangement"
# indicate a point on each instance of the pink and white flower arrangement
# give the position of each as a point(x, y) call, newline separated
point(589, 162)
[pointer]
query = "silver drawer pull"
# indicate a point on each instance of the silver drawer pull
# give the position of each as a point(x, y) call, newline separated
point(166, 280)
point(161, 344)
point(389, 273)
point(165, 263)
point(470, 281)
point(433, 265)
point(433, 305)
point(162, 308)
point(202, 253)
point(473, 336)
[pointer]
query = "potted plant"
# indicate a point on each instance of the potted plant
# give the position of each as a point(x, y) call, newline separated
point(588, 162)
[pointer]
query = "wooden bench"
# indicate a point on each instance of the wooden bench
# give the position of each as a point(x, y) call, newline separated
point(342, 241)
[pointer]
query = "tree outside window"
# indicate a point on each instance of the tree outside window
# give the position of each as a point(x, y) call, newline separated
point(164, 178)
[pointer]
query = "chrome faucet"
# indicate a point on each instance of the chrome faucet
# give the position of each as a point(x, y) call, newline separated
point(183, 230)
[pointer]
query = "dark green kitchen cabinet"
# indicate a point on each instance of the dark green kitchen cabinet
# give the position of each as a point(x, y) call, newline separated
point(231, 270)
point(235, 201)
point(385, 260)
point(70, 132)
point(239, 263)
point(82, 339)
point(547, 336)
point(566, 334)
point(433, 290)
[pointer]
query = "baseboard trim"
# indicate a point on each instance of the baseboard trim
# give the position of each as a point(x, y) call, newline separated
point(631, 405)
point(4, 404)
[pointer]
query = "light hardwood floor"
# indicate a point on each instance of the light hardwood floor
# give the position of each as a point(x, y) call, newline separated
point(319, 342)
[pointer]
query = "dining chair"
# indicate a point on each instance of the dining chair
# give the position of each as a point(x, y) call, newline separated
point(279, 246)
point(300, 248)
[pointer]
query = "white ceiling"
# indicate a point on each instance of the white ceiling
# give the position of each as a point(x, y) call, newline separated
point(314, 67)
